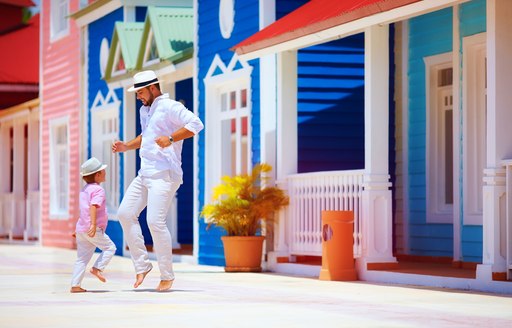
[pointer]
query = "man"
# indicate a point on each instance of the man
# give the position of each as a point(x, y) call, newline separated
point(165, 124)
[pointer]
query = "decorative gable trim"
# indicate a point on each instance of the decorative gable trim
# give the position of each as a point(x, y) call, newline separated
point(218, 68)
point(100, 101)
point(125, 45)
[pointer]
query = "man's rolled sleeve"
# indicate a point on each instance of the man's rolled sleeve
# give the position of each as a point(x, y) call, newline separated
point(195, 126)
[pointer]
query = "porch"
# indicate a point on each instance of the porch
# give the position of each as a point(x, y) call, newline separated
point(298, 241)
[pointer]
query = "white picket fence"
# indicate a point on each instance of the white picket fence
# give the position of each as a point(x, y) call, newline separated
point(310, 193)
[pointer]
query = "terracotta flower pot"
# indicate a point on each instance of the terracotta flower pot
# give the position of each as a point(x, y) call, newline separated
point(243, 254)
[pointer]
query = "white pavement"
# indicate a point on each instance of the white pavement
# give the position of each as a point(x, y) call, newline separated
point(34, 292)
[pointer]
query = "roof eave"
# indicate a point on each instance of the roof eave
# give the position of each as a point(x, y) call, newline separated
point(290, 41)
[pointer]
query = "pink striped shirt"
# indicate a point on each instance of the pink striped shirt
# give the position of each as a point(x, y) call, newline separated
point(92, 194)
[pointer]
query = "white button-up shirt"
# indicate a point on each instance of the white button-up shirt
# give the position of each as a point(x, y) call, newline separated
point(163, 118)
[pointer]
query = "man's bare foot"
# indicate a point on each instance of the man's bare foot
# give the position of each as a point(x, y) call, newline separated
point(97, 273)
point(164, 285)
point(139, 278)
point(77, 289)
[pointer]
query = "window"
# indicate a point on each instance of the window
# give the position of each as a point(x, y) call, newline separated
point(59, 168)
point(439, 160)
point(228, 126)
point(105, 131)
point(59, 22)
point(234, 131)
point(474, 126)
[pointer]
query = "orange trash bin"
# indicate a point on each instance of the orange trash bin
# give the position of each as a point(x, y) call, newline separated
point(338, 246)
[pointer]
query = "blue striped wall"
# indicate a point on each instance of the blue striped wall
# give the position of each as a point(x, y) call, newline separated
point(430, 34)
point(210, 43)
point(472, 21)
point(184, 91)
point(331, 106)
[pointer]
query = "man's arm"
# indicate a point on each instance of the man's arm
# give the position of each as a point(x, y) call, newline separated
point(121, 146)
point(181, 134)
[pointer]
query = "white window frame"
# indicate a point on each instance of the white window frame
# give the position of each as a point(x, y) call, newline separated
point(59, 170)
point(236, 141)
point(146, 60)
point(474, 126)
point(437, 210)
point(59, 20)
point(215, 85)
point(100, 114)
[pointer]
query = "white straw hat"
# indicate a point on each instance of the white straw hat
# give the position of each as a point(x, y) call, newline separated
point(91, 166)
point(142, 80)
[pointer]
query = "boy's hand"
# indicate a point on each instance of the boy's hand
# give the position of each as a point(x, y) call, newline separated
point(92, 231)
point(73, 234)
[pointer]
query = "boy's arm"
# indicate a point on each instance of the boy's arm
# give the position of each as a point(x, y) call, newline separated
point(92, 213)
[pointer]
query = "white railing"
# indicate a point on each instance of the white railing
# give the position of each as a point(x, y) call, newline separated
point(19, 217)
point(33, 218)
point(310, 193)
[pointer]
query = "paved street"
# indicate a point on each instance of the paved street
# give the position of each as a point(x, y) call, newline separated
point(34, 292)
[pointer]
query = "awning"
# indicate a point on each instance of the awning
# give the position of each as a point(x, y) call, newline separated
point(320, 21)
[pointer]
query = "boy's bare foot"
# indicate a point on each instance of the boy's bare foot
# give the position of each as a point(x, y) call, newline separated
point(77, 289)
point(164, 285)
point(97, 273)
point(139, 278)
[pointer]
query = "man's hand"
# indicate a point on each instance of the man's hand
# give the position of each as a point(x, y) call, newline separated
point(119, 147)
point(163, 141)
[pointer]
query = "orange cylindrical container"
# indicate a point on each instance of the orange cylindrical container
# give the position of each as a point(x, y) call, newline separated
point(338, 246)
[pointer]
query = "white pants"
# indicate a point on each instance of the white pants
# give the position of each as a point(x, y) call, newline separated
point(156, 193)
point(85, 247)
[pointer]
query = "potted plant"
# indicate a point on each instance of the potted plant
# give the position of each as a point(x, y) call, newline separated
point(240, 204)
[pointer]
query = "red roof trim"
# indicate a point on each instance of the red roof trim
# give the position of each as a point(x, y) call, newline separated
point(313, 17)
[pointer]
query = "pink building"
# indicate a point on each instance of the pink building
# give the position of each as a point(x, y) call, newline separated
point(60, 122)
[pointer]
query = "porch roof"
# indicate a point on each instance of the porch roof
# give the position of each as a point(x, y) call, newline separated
point(173, 32)
point(127, 37)
point(169, 29)
point(320, 21)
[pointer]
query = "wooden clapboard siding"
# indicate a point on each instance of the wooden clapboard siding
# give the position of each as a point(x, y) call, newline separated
point(472, 17)
point(398, 195)
point(60, 97)
point(331, 106)
point(429, 35)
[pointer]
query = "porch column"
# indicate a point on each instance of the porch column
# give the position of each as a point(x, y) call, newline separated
point(499, 143)
point(286, 140)
point(18, 192)
point(377, 215)
point(268, 92)
point(32, 196)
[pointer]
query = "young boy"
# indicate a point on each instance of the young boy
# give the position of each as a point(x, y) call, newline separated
point(90, 228)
